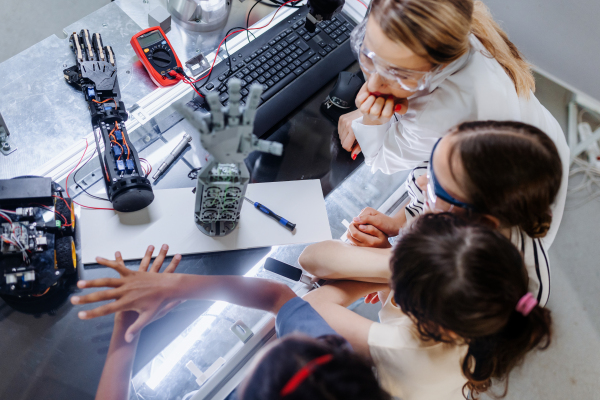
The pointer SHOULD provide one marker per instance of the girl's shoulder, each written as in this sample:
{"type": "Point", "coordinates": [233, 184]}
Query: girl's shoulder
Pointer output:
{"type": "Point", "coordinates": [537, 263]}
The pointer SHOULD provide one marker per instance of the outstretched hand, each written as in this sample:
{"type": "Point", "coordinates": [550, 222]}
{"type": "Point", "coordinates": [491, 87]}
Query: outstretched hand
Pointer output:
{"type": "Point", "coordinates": [144, 291]}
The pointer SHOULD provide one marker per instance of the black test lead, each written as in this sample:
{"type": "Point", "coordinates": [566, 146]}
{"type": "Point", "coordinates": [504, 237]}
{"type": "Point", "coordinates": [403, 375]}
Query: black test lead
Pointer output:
{"type": "Point", "coordinates": [271, 214]}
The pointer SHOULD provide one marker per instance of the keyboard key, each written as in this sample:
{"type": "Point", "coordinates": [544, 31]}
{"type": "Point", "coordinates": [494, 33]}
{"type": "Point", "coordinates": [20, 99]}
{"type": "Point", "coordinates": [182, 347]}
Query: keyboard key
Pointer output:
{"type": "Point", "coordinates": [257, 63]}
{"type": "Point", "coordinates": [273, 42]}
{"type": "Point", "coordinates": [278, 67]}
{"type": "Point", "coordinates": [240, 65]}
{"type": "Point", "coordinates": [322, 44]}
{"type": "Point", "coordinates": [306, 65]}
{"type": "Point", "coordinates": [302, 32]}
{"type": "Point", "coordinates": [251, 67]}
{"type": "Point", "coordinates": [269, 83]}
{"type": "Point", "coordinates": [210, 86]}
{"type": "Point", "coordinates": [276, 59]}
{"type": "Point", "coordinates": [317, 30]}
{"type": "Point", "coordinates": [281, 74]}
{"type": "Point", "coordinates": [299, 52]}
{"type": "Point", "coordinates": [302, 45]}
{"type": "Point", "coordinates": [240, 75]}
{"type": "Point", "coordinates": [253, 55]}
{"type": "Point", "coordinates": [248, 79]}
{"type": "Point", "coordinates": [277, 87]}
{"type": "Point", "coordinates": [283, 63]}
{"type": "Point", "coordinates": [289, 31]}
{"type": "Point", "coordinates": [275, 78]}
{"type": "Point", "coordinates": [271, 63]}
{"type": "Point", "coordinates": [265, 47]}
{"type": "Point", "coordinates": [298, 71]}
{"type": "Point", "coordinates": [343, 28]}
{"type": "Point", "coordinates": [223, 98]}
{"type": "Point", "coordinates": [292, 47]}
{"type": "Point", "coordinates": [259, 51]}
{"type": "Point", "coordinates": [328, 49]}
{"type": "Point", "coordinates": [306, 37]}
{"type": "Point", "coordinates": [279, 47]}
{"type": "Point", "coordinates": [283, 34]}
{"type": "Point", "coordinates": [272, 71]}
{"type": "Point", "coordinates": [286, 70]}
{"type": "Point", "coordinates": [338, 32]}
{"type": "Point", "coordinates": [289, 59]}
{"type": "Point", "coordinates": [277, 38]}
{"type": "Point", "coordinates": [262, 59]}
{"type": "Point", "coordinates": [281, 55]}
{"type": "Point", "coordinates": [332, 45]}
{"type": "Point", "coordinates": [245, 71]}
{"type": "Point", "coordinates": [304, 57]}
{"type": "Point", "coordinates": [255, 75]}
{"type": "Point", "coordinates": [261, 79]}
{"type": "Point", "coordinates": [341, 39]}
{"type": "Point", "coordinates": [327, 30]}
{"type": "Point", "coordinates": [234, 69]}
{"type": "Point", "coordinates": [244, 92]}
{"type": "Point", "coordinates": [273, 52]}
{"type": "Point", "coordinates": [315, 59]}
{"type": "Point", "coordinates": [297, 25]}
{"type": "Point", "coordinates": [260, 70]}
{"type": "Point", "coordinates": [287, 51]}
{"type": "Point", "coordinates": [268, 55]}
{"type": "Point", "coordinates": [292, 38]}
{"type": "Point", "coordinates": [222, 77]}
{"type": "Point", "coordinates": [294, 55]}
{"type": "Point", "coordinates": [267, 75]}
{"type": "Point", "coordinates": [322, 53]}
{"type": "Point", "coordinates": [247, 59]}
{"type": "Point", "coordinates": [333, 35]}
{"type": "Point", "coordinates": [297, 63]}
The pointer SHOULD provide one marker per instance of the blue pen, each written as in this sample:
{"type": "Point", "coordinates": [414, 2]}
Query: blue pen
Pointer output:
{"type": "Point", "coordinates": [271, 214]}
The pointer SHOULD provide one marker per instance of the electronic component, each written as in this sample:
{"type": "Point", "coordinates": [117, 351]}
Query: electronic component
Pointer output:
{"type": "Point", "coordinates": [38, 258]}
{"type": "Point", "coordinates": [95, 74]}
{"type": "Point", "coordinates": [156, 54]}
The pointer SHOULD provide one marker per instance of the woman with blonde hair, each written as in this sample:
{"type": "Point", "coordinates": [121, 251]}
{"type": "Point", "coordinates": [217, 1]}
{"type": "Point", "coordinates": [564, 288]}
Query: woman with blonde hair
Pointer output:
{"type": "Point", "coordinates": [431, 65]}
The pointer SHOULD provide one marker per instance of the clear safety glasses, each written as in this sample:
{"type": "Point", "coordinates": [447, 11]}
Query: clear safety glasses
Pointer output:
{"type": "Point", "coordinates": [408, 79]}
{"type": "Point", "coordinates": [435, 191]}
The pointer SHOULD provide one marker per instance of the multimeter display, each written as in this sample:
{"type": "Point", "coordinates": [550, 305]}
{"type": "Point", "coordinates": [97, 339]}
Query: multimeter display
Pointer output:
{"type": "Point", "coordinates": [156, 54]}
{"type": "Point", "coordinates": [150, 38]}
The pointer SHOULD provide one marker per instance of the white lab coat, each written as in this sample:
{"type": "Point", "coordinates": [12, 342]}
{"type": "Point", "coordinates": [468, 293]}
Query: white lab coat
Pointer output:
{"type": "Point", "coordinates": [474, 87]}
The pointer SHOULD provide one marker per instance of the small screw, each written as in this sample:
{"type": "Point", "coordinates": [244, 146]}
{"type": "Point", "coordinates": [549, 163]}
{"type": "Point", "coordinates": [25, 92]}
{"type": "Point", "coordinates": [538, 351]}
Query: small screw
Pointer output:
{"type": "Point", "coordinates": [57, 273]}
{"type": "Point", "coordinates": [5, 146]}
{"type": "Point", "coordinates": [65, 65]}
{"type": "Point", "coordinates": [128, 72]}
{"type": "Point", "coordinates": [105, 24]}
{"type": "Point", "coordinates": [197, 50]}
{"type": "Point", "coordinates": [12, 287]}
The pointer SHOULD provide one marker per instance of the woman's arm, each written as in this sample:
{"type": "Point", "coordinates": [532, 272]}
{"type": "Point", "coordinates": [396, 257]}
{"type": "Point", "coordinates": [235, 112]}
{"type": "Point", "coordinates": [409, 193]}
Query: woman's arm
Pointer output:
{"type": "Point", "coordinates": [333, 259]}
{"type": "Point", "coordinates": [331, 300]}
{"type": "Point", "coordinates": [116, 375]}
{"type": "Point", "coordinates": [149, 293]}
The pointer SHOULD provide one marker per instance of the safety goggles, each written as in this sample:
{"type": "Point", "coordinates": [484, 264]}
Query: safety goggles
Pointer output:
{"type": "Point", "coordinates": [435, 191]}
{"type": "Point", "coordinates": [408, 79]}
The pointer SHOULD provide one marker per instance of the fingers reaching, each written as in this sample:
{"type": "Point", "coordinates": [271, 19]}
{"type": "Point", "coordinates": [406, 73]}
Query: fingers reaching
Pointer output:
{"type": "Point", "coordinates": [116, 265]}
{"type": "Point", "coordinates": [145, 263]}
{"type": "Point", "coordinates": [158, 261]}
{"type": "Point", "coordinates": [139, 324]}
{"type": "Point", "coordinates": [101, 295]}
{"type": "Point", "coordinates": [173, 264]}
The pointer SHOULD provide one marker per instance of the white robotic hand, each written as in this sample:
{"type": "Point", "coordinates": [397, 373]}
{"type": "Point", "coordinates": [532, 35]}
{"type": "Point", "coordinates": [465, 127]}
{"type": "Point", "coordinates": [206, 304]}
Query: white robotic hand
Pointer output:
{"type": "Point", "coordinates": [226, 133]}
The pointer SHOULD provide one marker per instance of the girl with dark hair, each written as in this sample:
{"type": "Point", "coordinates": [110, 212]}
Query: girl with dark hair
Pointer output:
{"type": "Point", "coordinates": [504, 174]}
{"type": "Point", "coordinates": [311, 361]}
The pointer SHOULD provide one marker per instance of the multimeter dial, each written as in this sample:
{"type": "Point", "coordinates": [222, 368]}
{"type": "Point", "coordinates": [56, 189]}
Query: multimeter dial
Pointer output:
{"type": "Point", "coordinates": [156, 54]}
{"type": "Point", "coordinates": [161, 57]}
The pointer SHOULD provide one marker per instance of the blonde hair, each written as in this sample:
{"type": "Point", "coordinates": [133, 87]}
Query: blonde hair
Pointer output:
{"type": "Point", "coordinates": [438, 30]}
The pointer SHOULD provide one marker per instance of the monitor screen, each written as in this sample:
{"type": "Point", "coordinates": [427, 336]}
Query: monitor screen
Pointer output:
{"type": "Point", "coordinates": [150, 39]}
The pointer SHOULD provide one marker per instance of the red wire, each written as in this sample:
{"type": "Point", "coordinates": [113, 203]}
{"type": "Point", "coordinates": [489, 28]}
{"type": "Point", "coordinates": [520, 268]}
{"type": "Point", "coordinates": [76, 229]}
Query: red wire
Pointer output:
{"type": "Point", "coordinates": [67, 183]}
{"type": "Point", "coordinates": [8, 219]}
{"type": "Point", "coordinates": [233, 33]}
{"type": "Point", "coordinates": [363, 4]}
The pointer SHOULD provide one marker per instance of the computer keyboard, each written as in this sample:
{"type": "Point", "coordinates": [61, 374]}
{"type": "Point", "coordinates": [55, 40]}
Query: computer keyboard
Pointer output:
{"type": "Point", "coordinates": [289, 62]}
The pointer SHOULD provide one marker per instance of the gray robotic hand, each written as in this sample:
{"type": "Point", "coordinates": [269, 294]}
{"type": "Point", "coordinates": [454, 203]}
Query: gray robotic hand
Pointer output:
{"type": "Point", "coordinates": [226, 133]}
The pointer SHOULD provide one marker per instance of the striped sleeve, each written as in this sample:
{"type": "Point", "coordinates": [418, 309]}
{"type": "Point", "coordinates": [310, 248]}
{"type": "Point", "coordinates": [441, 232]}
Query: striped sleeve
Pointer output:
{"type": "Point", "coordinates": [537, 264]}
{"type": "Point", "coordinates": [417, 197]}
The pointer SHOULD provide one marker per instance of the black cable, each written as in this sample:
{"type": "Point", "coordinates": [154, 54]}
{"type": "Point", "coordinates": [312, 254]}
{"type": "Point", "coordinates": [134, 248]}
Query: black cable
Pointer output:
{"type": "Point", "coordinates": [80, 186]}
{"type": "Point", "coordinates": [270, 3]}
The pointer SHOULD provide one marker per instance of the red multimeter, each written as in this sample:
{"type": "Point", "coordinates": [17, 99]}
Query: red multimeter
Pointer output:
{"type": "Point", "coordinates": [156, 53]}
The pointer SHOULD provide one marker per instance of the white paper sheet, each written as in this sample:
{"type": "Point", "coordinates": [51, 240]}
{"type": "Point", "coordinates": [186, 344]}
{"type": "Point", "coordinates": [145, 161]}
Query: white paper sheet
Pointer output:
{"type": "Point", "coordinates": [170, 219]}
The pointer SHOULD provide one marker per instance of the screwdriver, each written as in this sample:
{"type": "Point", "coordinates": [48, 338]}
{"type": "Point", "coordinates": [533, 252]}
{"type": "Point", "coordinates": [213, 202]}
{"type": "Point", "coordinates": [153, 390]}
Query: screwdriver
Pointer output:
{"type": "Point", "coordinates": [271, 214]}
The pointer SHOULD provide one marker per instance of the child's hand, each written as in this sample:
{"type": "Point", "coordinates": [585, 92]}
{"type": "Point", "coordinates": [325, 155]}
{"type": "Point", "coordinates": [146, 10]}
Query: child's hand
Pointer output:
{"type": "Point", "coordinates": [372, 229]}
{"type": "Point", "coordinates": [378, 110]}
{"type": "Point", "coordinates": [147, 293]}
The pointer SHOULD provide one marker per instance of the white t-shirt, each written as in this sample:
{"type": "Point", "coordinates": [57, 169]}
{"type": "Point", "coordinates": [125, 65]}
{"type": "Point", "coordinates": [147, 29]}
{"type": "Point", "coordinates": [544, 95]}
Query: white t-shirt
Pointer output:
{"type": "Point", "coordinates": [535, 255]}
{"type": "Point", "coordinates": [409, 368]}
{"type": "Point", "coordinates": [473, 88]}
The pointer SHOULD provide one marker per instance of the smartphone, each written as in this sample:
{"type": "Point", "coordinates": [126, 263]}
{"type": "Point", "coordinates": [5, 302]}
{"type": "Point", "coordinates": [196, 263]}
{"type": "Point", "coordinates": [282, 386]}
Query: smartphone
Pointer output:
{"type": "Point", "coordinates": [283, 269]}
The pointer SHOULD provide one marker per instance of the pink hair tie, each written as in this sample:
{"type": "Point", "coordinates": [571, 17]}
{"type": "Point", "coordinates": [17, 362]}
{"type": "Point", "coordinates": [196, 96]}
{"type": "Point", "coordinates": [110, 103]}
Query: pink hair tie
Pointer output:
{"type": "Point", "coordinates": [526, 304]}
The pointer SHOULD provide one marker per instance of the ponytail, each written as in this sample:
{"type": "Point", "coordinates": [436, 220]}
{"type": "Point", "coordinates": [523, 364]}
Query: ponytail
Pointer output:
{"type": "Point", "coordinates": [438, 30]}
{"type": "Point", "coordinates": [495, 355]}
{"type": "Point", "coordinates": [496, 42]}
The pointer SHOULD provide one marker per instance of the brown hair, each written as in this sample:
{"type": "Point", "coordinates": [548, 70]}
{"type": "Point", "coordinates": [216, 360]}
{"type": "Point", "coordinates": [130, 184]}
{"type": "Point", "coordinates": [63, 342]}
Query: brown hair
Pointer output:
{"type": "Point", "coordinates": [438, 30]}
{"type": "Point", "coordinates": [346, 376]}
{"type": "Point", "coordinates": [453, 276]}
{"type": "Point", "coordinates": [513, 172]}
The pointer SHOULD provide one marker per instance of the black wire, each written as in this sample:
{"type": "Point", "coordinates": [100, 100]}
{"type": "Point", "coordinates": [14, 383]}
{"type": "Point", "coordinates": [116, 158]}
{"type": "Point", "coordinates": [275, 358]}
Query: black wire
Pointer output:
{"type": "Point", "coordinates": [268, 3]}
{"type": "Point", "coordinates": [80, 186]}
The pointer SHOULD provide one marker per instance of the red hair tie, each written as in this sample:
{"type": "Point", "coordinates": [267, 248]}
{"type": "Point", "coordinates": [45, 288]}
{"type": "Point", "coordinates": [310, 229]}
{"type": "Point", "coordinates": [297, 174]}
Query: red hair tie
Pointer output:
{"type": "Point", "coordinates": [304, 373]}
